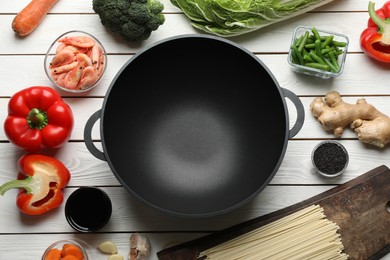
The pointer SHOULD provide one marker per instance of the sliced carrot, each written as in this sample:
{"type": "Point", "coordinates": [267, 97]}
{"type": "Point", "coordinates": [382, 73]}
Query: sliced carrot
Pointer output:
{"type": "Point", "coordinates": [72, 250]}
{"type": "Point", "coordinates": [69, 257]}
{"type": "Point", "coordinates": [53, 254]}
{"type": "Point", "coordinates": [31, 16]}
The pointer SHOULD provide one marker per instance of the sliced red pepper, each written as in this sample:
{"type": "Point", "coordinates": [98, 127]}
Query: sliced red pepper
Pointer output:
{"type": "Point", "coordinates": [375, 39]}
{"type": "Point", "coordinates": [38, 118]}
{"type": "Point", "coordinates": [41, 180]}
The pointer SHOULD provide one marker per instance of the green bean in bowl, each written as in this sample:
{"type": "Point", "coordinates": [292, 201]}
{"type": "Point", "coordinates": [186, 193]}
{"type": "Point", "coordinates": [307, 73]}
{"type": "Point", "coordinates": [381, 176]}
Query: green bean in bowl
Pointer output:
{"type": "Point", "coordinates": [318, 53]}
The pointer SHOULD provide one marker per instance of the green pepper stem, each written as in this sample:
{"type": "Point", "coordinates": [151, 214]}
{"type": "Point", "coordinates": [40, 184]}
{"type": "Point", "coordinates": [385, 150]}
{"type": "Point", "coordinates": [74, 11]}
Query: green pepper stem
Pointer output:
{"type": "Point", "coordinates": [25, 184]}
{"type": "Point", "coordinates": [383, 25]}
{"type": "Point", "coordinates": [37, 118]}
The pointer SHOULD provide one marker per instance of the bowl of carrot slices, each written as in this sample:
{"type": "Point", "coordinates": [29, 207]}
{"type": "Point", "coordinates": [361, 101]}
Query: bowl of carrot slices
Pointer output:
{"type": "Point", "coordinates": [65, 249]}
{"type": "Point", "coordinates": [317, 52]}
{"type": "Point", "coordinates": [75, 61]}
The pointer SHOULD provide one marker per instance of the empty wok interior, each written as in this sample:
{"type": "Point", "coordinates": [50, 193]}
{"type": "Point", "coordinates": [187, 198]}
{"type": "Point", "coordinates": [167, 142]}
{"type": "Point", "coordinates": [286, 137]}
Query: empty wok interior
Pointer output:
{"type": "Point", "coordinates": [194, 126]}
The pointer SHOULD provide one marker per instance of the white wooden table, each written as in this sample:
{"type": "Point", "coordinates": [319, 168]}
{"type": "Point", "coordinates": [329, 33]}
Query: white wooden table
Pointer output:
{"type": "Point", "coordinates": [21, 65]}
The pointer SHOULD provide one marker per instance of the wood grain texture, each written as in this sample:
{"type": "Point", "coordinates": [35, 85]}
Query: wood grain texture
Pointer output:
{"type": "Point", "coordinates": [358, 207]}
{"type": "Point", "coordinates": [21, 65]}
{"type": "Point", "coordinates": [86, 6]}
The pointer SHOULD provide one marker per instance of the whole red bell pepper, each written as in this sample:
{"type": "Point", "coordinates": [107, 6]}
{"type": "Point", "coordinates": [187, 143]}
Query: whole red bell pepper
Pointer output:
{"type": "Point", "coordinates": [38, 118]}
{"type": "Point", "coordinates": [375, 39]}
{"type": "Point", "coordinates": [41, 179]}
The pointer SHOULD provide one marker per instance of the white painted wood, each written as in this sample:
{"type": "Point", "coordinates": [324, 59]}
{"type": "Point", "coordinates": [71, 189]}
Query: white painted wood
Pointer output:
{"type": "Point", "coordinates": [361, 76]}
{"type": "Point", "coordinates": [21, 65]}
{"type": "Point", "coordinates": [84, 108]}
{"type": "Point", "coordinates": [35, 244]}
{"type": "Point", "coordinates": [130, 214]}
{"type": "Point", "coordinates": [85, 6]}
{"type": "Point", "coordinates": [274, 38]}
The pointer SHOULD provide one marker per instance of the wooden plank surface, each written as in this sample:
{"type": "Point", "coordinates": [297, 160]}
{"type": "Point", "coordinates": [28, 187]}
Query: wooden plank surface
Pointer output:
{"type": "Point", "coordinates": [359, 207]}
{"type": "Point", "coordinates": [21, 65]}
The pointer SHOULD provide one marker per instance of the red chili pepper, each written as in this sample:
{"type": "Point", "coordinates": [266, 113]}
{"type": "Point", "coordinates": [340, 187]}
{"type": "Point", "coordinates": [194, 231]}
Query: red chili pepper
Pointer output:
{"type": "Point", "coordinates": [375, 39]}
{"type": "Point", "coordinates": [41, 179]}
{"type": "Point", "coordinates": [38, 118]}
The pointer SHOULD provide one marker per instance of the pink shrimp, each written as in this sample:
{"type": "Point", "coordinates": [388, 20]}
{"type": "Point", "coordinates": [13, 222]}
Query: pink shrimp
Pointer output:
{"type": "Point", "coordinates": [73, 77]}
{"type": "Point", "coordinates": [64, 68]}
{"type": "Point", "coordinates": [63, 57]}
{"type": "Point", "coordinates": [59, 79]}
{"type": "Point", "coordinates": [88, 78]}
{"type": "Point", "coordinates": [78, 41]}
{"type": "Point", "coordinates": [60, 47]}
{"type": "Point", "coordinates": [101, 66]}
{"type": "Point", "coordinates": [98, 59]}
{"type": "Point", "coordinates": [83, 60]}
{"type": "Point", "coordinates": [96, 54]}
{"type": "Point", "coordinates": [72, 48]}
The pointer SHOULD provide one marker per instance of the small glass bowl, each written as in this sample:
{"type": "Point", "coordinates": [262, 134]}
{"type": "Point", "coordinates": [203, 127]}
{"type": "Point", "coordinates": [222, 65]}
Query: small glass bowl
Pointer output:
{"type": "Point", "coordinates": [59, 244]}
{"type": "Point", "coordinates": [330, 158]}
{"type": "Point", "coordinates": [298, 32]}
{"type": "Point", "coordinates": [66, 72]}
{"type": "Point", "coordinates": [88, 209]}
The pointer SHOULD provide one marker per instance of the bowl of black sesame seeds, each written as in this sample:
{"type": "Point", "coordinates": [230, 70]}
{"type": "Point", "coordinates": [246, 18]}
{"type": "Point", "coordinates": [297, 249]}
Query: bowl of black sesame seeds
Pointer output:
{"type": "Point", "coordinates": [330, 158]}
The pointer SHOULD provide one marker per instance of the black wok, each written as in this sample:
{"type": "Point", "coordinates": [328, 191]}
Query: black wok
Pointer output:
{"type": "Point", "coordinates": [194, 125]}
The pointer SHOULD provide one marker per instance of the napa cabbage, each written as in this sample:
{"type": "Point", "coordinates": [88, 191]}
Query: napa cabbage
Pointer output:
{"type": "Point", "coordinates": [228, 18]}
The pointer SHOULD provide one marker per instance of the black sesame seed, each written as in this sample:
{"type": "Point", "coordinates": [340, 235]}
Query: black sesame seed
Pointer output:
{"type": "Point", "coordinates": [330, 158]}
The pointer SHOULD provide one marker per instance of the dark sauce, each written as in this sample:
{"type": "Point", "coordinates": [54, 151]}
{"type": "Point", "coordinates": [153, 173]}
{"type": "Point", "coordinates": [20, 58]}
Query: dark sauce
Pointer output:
{"type": "Point", "coordinates": [88, 209]}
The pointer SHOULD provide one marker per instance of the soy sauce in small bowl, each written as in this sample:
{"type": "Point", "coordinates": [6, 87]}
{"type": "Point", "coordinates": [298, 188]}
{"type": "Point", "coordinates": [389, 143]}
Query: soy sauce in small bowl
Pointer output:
{"type": "Point", "coordinates": [88, 209]}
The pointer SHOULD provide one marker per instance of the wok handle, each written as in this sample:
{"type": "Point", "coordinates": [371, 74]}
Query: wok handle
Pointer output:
{"type": "Point", "coordinates": [300, 112]}
{"type": "Point", "coordinates": [88, 136]}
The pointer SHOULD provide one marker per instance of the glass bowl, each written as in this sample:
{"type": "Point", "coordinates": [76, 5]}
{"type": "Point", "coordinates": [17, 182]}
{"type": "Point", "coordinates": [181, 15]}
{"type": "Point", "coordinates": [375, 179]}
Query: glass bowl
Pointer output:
{"type": "Point", "coordinates": [321, 73]}
{"type": "Point", "coordinates": [88, 209]}
{"type": "Point", "coordinates": [60, 244]}
{"type": "Point", "coordinates": [75, 61]}
{"type": "Point", "coordinates": [330, 158]}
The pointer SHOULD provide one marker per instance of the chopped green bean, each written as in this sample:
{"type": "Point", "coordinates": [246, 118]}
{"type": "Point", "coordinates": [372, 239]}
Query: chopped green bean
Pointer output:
{"type": "Point", "coordinates": [310, 46]}
{"type": "Point", "coordinates": [298, 55]}
{"type": "Point", "coordinates": [298, 41]}
{"type": "Point", "coordinates": [333, 59]}
{"type": "Point", "coordinates": [303, 42]}
{"type": "Point", "coordinates": [318, 48]}
{"type": "Point", "coordinates": [331, 66]}
{"type": "Point", "coordinates": [294, 57]}
{"type": "Point", "coordinates": [339, 44]}
{"type": "Point", "coordinates": [315, 33]}
{"type": "Point", "coordinates": [323, 38]}
{"type": "Point", "coordinates": [339, 52]}
{"type": "Point", "coordinates": [307, 58]}
{"type": "Point", "coordinates": [328, 40]}
{"type": "Point", "coordinates": [317, 65]}
{"type": "Point", "coordinates": [317, 51]}
{"type": "Point", "coordinates": [315, 57]}
{"type": "Point", "coordinates": [326, 50]}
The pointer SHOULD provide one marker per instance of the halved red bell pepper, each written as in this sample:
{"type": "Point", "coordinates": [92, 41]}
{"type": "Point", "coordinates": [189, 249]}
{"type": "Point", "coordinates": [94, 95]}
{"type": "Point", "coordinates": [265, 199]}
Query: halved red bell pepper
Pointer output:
{"type": "Point", "coordinates": [41, 179]}
{"type": "Point", "coordinates": [38, 118]}
{"type": "Point", "coordinates": [375, 39]}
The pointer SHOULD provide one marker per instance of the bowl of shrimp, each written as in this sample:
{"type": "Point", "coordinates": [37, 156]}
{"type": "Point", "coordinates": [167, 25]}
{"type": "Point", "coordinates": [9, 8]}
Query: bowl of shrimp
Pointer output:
{"type": "Point", "coordinates": [75, 61]}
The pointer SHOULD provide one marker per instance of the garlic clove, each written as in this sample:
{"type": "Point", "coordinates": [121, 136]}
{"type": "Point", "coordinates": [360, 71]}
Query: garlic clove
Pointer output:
{"type": "Point", "coordinates": [139, 246]}
{"type": "Point", "coordinates": [108, 247]}
{"type": "Point", "coordinates": [115, 257]}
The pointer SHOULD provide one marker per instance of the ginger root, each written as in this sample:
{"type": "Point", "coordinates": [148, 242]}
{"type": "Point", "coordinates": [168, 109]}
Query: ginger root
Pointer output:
{"type": "Point", "coordinates": [370, 125]}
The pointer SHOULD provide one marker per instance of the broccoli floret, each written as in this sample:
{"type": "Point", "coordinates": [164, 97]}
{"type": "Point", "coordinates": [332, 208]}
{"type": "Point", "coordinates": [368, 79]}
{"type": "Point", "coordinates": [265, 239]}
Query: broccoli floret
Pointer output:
{"type": "Point", "coordinates": [133, 20]}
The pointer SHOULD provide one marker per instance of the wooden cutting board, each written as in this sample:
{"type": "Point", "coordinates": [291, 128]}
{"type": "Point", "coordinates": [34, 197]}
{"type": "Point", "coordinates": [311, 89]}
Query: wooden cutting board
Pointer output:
{"type": "Point", "coordinates": [360, 207]}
